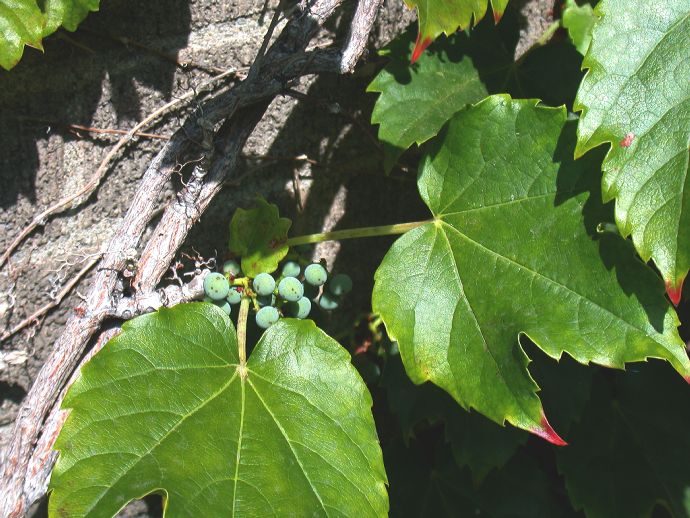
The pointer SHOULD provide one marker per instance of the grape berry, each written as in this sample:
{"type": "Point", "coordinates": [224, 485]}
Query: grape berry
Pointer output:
{"type": "Point", "coordinates": [296, 289]}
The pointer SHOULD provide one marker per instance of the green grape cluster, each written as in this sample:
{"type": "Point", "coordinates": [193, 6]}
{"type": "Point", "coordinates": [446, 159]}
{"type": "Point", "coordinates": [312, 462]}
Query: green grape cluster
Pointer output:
{"type": "Point", "coordinates": [290, 294]}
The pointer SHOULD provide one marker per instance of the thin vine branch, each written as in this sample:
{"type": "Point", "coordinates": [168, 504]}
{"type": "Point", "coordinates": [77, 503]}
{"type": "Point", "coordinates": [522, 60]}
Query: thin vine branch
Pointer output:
{"type": "Point", "coordinates": [43, 310]}
{"type": "Point", "coordinates": [286, 59]}
{"type": "Point", "coordinates": [79, 197]}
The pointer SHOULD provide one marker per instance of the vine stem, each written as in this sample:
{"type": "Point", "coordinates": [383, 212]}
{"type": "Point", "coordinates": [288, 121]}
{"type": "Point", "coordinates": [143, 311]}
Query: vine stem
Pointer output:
{"type": "Point", "coordinates": [337, 235]}
{"type": "Point", "coordinates": [242, 334]}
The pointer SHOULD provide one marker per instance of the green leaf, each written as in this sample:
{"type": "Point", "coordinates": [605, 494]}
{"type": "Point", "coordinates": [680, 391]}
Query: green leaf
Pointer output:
{"type": "Point", "coordinates": [67, 13]}
{"type": "Point", "coordinates": [578, 20]}
{"type": "Point", "coordinates": [636, 96]}
{"type": "Point", "coordinates": [416, 100]}
{"type": "Point", "coordinates": [632, 449]}
{"type": "Point", "coordinates": [508, 253]}
{"type": "Point", "coordinates": [447, 16]}
{"type": "Point", "coordinates": [259, 236]}
{"type": "Point", "coordinates": [165, 408]}
{"type": "Point", "coordinates": [23, 23]}
{"type": "Point", "coordinates": [429, 485]}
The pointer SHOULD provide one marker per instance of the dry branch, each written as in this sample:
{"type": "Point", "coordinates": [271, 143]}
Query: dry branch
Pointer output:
{"type": "Point", "coordinates": [236, 112]}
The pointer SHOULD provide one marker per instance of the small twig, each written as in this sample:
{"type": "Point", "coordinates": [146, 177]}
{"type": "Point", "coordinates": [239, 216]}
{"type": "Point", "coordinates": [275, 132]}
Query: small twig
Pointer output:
{"type": "Point", "coordinates": [39, 313]}
{"type": "Point", "coordinates": [75, 128]}
{"type": "Point", "coordinates": [93, 183]}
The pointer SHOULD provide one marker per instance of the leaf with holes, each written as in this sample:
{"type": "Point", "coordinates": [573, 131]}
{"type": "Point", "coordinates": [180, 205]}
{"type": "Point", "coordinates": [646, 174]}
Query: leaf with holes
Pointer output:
{"type": "Point", "coordinates": [512, 249]}
{"type": "Point", "coordinates": [166, 408]}
{"type": "Point", "coordinates": [438, 17]}
{"type": "Point", "coordinates": [636, 96]}
{"type": "Point", "coordinates": [23, 23]}
{"type": "Point", "coordinates": [259, 236]}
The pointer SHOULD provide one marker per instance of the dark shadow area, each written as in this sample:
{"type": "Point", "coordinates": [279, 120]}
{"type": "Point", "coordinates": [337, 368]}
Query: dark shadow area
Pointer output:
{"type": "Point", "coordinates": [11, 395]}
{"type": "Point", "coordinates": [65, 84]}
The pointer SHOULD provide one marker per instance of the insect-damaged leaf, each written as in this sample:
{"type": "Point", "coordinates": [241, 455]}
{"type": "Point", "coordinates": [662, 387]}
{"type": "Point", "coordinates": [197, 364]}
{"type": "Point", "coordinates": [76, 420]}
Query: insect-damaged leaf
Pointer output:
{"type": "Point", "coordinates": [164, 408]}
{"type": "Point", "coordinates": [510, 251]}
{"type": "Point", "coordinates": [636, 96]}
{"type": "Point", "coordinates": [259, 236]}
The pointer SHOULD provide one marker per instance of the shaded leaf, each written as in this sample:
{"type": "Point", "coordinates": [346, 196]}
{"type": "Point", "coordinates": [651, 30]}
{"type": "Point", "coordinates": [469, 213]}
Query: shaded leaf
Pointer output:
{"type": "Point", "coordinates": [416, 100]}
{"type": "Point", "coordinates": [632, 449]}
{"type": "Point", "coordinates": [636, 96]}
{"type": "Point", "coordinates": [164, 407]}
{"type": "Point", "coordinates": [508, 253]}
{"type": "Point", "coordinates": [259, 236]}
{"type": "Point", "coordinates": [475, 441]}
{"type": "Point", "coordinates": [424, 482]}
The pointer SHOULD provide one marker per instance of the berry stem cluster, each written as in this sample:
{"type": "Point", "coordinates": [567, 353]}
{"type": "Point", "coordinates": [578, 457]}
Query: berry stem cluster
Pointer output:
{"type": "Point", "coordinates": [242, 331]}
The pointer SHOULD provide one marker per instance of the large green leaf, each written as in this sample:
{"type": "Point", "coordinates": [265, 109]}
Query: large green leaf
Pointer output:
{"type": "Point", "coordinates": [165, 407]}
{"type": "Point", "coordinates": [23, 23]}
{"type": "Point", "coordinates": [259, 236]}
{"type": "Point", "coordinates": [632, 449]}
{"type": "Point", "coordinates": [636, 96]}
{"type": "Point", "coordinates": [447, 16]}
{"type": "Point", "coordinates": [508, 253]}
{"type": "Point", "coordinates": [415, 101]}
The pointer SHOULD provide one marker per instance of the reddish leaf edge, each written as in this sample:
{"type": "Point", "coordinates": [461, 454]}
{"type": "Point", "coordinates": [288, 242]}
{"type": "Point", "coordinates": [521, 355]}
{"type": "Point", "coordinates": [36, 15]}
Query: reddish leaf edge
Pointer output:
{"type": "Point", "coordinates": [419, 47]}
{"type": "Point", "coordinates": [547, 432]}
{"type": "Point", "coordinates": [421, 44]}
{"type": "Point", "coordinates": [675, 292]}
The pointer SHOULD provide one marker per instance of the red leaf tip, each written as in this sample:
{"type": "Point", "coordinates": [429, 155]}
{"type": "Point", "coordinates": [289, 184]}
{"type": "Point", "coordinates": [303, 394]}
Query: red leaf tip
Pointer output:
{"type": "Point", "coordinates": [547, 432]}
{"type": "Point", "coordinates": [674, 292]}
{"type": "Point", "coordinates": [497, 17]}
{"type": "Point", "coordinates": [419, 47]}
{"type": "Point", "coordinates": [687, 379]}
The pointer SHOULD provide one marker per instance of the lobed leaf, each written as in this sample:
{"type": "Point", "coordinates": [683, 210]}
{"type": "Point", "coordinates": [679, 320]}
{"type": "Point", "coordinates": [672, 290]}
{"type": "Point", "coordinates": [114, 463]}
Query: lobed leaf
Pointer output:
{"type": "Point", "coordinates": [636, 96]}
{"type": "Point", "coordinates": [507, 254]}
{"type": "Point", "coordinates": [165, 408]}
{"type": "Point", "coordinates": [259, 236]}
{"type": "Point", "coordinates": [415, 101]}
{"type": "Point", "coordinates": [438, 17]}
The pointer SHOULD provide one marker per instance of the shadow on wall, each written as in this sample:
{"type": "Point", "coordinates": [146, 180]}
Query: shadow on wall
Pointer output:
{"type": "Point", "coordinates": [65, 84]}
